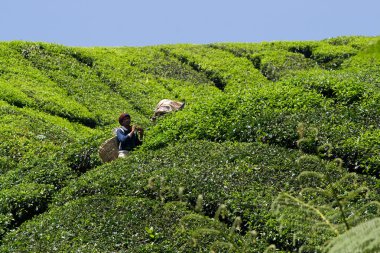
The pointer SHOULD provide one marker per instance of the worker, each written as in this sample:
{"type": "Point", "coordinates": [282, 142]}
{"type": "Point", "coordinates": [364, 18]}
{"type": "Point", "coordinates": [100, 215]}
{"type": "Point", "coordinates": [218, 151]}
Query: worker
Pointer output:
{"type": "Point", "coordinates": [128, 136]}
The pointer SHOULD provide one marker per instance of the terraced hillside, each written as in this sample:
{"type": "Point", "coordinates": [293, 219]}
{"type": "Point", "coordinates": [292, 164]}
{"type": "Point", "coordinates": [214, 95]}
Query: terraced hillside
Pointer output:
{"type": "Point", "coordinates": [277, 148]}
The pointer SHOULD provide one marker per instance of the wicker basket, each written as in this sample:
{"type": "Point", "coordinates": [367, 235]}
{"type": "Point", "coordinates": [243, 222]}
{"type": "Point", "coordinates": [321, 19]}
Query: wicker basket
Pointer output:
{"type": "Point", "coordinates": [109, 150]}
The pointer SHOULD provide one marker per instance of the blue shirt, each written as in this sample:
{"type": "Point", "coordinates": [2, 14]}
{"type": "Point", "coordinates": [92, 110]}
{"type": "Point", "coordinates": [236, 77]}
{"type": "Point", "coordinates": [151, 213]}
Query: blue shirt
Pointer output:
{"type": "Point", "coordinates": [127, 142]}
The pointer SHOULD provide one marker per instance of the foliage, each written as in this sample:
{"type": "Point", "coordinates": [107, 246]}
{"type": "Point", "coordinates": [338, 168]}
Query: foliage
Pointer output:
{"type": "Point", "coordinates": [274, 150]}
{"type": "Point", "coordinates": [361, 238]}
{"type": "Point", "coordinates": [227, 72]}
{"type": "Point", "coordinates": [24, 85]}
{"type": "Point", "coordinates": [108, 223]}
{"type": "Point", "coordinates": [22, 202]}
{"type": "Point", "coordinates": [324, 208]}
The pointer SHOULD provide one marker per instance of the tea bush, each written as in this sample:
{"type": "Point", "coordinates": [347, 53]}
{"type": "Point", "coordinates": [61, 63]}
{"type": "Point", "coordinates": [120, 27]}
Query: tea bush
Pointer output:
{"type": "Point", "coordinates": [143, 79]}
{"type": "Point", "coordinates": [137, 90]}
{"type": "Point", "coordinates": [103, 223]}
{"type": "Point", "coordinates": [341, 86]}
{"type": "Point", "coordinates": [24, 200]}
{"type": "Point", "coordinates": [78, 80]}
{"type": "Point", "coordinates": [14, 95]}
{"type": "Point", "coordinates": [233, 174]}
{"type": "Point", "coordinates": [157, 61]}
{"type": "Point", "coordinates": [331, 53]}
{"type": "Point", "coordinates": [39, 135]}
{"type": "Point", "coordinates": [245, 177]}
{"type": "Point", "coordinates": [35, 160]}
{"type": "Point", "coordinates": [267, 118]}
{"type": "Point", "coordinates": [108, 223]}
{"type": "Point", "coordinates": [22, 82]}
{"type": "Point", "coordinates": [274, 64]}
{"type": "Point", "coordinates": [273, 59]}
{"type": "Point", "coordinates": [229, 73]}
{"type": "Point", "coordinates": [332, 56]}
{"type": "Point", "coordinates": [246, 49]}
{"type": "Point", "coordinates": [265, 115]}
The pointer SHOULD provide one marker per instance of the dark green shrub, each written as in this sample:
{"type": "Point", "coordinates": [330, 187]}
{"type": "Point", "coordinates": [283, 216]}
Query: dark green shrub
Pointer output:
{"type": "Point", "coordinates": [25, 200]}
{"type": "Point", "coordinates": [271, 115]}
{"type": "Point", "coordinates": [275, 64]}
{"type": "Point", "coordinates": [78, 80]}
{"type": "Point", "coordinates": [233, 173]}
{"type": "Point", "coordinates": [37, 147]}
{"type": "Point", "coordinates": [229, 73]}
{"type": "Point", "coordinates": [23, 82]}
{"type": "Point", "coordinates": [5, 223]}
{"type": "Point", "coordinates": [102, 224]}
{"type": "Point", "coordinates": [342, 86]}
{"type": "Point", "coordinates": [107, 223]}
{"type": "Point", "coordinates": [332, 56]}
{"type": "Point", "coordinates": [82, 155]}
{"type": "Point", "coordinates": [362, 151]}
{"type": "Point", "coordinates": [14, 96]}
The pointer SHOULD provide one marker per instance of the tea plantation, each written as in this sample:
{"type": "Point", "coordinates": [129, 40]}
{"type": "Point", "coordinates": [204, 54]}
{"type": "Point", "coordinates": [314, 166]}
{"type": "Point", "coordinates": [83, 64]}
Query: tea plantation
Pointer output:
{"type": "Point", "coordinates": [276, 150]}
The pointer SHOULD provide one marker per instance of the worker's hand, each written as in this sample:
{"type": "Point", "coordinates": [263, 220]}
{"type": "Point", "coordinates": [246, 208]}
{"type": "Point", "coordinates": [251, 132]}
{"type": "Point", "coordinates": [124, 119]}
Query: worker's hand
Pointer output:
{"type": "Point", "coordinates": [133, 128]}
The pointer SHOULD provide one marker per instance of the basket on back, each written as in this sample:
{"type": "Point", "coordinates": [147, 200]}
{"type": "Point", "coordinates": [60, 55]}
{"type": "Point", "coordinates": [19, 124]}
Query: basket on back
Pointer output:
{"type": "Point", "coordinates": [109, 150]}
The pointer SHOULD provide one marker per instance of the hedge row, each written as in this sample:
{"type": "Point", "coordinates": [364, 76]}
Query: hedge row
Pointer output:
{"type": "Point", "coordinates": [22, 202]}
{"type": "Point", "coordinates": [245, 177]}
{"type": "Point", "coordinates": [351, 135]}
{"type": "Point", "coordinates": [229, 73]}
{"type": "Point", "coordinates": [108, 223]}
{"type": "Point", "coordinates": [144, 76]}
{"type": "Point", "coordinates": [328, 53]}
{"type": "Point", "coordinates": [39, 154]}
{"type": "Point", "coordinates": [23, 85]}
{"type": "Point", "coordinates": [29, 138]}
{"type": "Point", "coordinates": [341, 104]}
{"type": "Point", "coordinates": [78, 80]}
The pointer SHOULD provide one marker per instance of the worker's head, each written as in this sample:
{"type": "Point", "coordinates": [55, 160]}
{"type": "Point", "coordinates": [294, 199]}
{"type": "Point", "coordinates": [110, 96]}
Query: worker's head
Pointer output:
{"type": "Point", "coordinates": [124, 119]}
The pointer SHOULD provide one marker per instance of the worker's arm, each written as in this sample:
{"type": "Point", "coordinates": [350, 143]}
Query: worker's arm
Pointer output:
{"type": "Point", "coordinates": [123, 137]}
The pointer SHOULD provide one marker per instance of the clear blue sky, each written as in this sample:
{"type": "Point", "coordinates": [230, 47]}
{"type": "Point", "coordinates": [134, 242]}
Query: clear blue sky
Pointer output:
{"type": "Point", "coordinates": [155, 22]}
